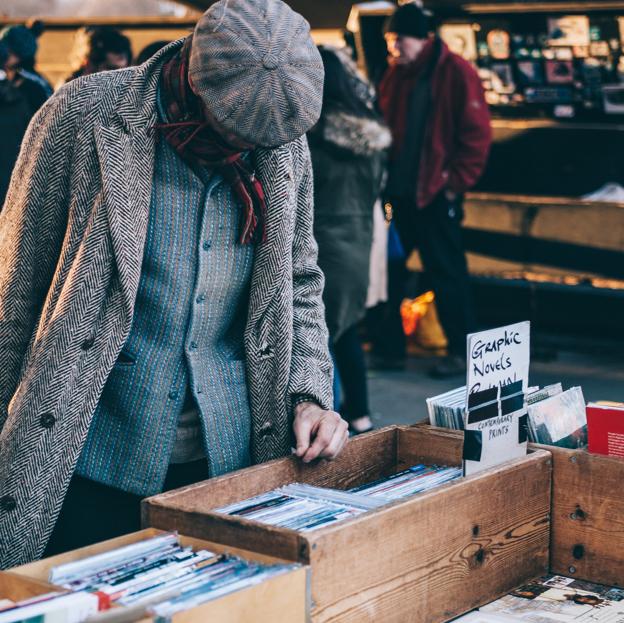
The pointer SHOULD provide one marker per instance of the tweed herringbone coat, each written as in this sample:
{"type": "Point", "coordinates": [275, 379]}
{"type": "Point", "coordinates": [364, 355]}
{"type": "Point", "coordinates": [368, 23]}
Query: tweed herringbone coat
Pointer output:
{"type": "Point", "coordinates": [72, 234]}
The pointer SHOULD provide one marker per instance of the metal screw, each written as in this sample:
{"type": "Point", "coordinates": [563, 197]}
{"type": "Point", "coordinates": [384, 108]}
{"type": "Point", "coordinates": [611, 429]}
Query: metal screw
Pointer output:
{"type": "Point", "coordinates": [573, 459]}
{"type": "Point", "coordinates": [572, 569]}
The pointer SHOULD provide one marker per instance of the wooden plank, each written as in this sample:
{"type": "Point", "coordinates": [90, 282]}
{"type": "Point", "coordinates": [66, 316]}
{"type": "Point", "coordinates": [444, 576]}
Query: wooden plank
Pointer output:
{"type": "Point", "coordinates": [282, 599]}
{"type": "Point", "coordinates": [438, 555]}
{"type": "Point", "coordinates": [16, 588]}
{"type": "Point", "coordinates": [227, 530]}
{"type": "Point", "coordinates": [429, 445]}
{"type": "Point", "coordinates": [588, 517]}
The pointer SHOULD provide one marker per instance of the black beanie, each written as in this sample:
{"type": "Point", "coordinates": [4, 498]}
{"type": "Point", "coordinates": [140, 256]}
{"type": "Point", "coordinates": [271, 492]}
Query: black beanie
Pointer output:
{"type": "Point", "coordinates": [410, 20]}
{"type": "Point", "coordinates": [20, 40]}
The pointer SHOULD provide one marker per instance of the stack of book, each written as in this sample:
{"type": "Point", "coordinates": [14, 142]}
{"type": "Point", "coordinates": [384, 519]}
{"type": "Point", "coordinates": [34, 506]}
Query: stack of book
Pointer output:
{"type": "Point", "coordinates": [157, 578]}
{"type": "Point", "coordinates": [304, 508]}
{"type": "Point", "coordinates": [554, 599]}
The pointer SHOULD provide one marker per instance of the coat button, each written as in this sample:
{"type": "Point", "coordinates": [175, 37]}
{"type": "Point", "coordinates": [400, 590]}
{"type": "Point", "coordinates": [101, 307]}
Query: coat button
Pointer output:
{"type": "Point", "coordinates": [266, 350]}
{"type": "Point", "coordinates": [88, 343]}
{"type": "Point", "coordinates": [47, 420]}
{"type": "Point", "coordinates": [8, 503]}
{"type": "Point", "coordinates": [266, 429]}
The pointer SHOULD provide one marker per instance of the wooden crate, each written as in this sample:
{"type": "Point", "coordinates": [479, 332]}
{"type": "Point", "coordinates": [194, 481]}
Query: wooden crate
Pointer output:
{"type": "Point", "coordinates": [587, 516]}
{"type": "Point", "coordinates": [427, 558]}
{"type": "Point", "coordinates": [282, 599]}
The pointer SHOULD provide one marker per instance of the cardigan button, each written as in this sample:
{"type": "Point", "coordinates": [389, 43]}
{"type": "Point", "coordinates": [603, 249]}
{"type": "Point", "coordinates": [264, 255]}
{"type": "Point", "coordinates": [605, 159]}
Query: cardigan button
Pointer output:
{"type": "Point", "coordinates": [8, 503]}
{"type": "Point", "coordinates": [47, 420]}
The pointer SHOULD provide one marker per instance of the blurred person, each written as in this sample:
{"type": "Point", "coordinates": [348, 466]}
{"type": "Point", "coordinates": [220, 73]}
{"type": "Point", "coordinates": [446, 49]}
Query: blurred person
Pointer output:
{"type": "Point", "coordinates": [434, 102]}
{"type": "Point", "coordinates": [161, 315]}
{"type": "Point", "coordinates": [21, 45]}
{"type": "Point", "coordinates": [29, 65]}
{"type": "Point", "coordinates": [15, 114]}
{"type": "Point", "coordinates": [348, 148]}
{"type": "Point", "coordinates": [149, 50]}
{"type": "Point", "coordinates": [100, 48]}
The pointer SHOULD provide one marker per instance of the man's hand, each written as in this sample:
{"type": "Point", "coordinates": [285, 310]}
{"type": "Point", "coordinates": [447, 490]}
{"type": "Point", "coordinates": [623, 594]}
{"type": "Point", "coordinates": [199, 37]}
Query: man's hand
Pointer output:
{"type": "Point", "coordinates": [319, 433]}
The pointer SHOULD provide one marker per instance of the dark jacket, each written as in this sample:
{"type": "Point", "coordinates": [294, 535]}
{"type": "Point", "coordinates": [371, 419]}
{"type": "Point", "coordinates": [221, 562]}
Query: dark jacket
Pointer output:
{"type": "Point", "coordinates": [15, 114]}
{"type": "Point", "coordinates": [348, 159]}
{"type": "Point", "coordinates": [458, 134]}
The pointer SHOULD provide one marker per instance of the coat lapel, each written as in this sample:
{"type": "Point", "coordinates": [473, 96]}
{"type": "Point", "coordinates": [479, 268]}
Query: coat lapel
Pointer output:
{"type": "Point", "coordinates": [126, 146]}
{"type": "Point", "coordinates": [274, 168]}
{"type": "Point", "coordinates": [126, 166]}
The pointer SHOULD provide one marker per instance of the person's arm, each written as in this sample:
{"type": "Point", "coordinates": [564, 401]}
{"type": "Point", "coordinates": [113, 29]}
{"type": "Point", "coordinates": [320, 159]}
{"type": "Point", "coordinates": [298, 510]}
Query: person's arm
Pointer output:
{"type": "Point", "coordinates": [32, 226]}
{"type": "Point", "coordinates": [473, 133]}
{"type": "Point", "coordinates": [319, 431]}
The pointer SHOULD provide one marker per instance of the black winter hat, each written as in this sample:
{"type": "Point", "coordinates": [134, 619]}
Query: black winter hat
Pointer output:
{"type": "Point", "coordinates": [410, 20]}
{"type": "Point", "coordinates": [19, 40]}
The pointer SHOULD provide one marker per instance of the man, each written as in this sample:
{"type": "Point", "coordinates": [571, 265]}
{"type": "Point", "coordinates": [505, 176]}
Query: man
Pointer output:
{"type": "Point", "coordinates": [434, 103]}
{"type": "Point", "coordinates": [100, 48]}
{"type": "Point", "coordinates": [161, 317]}
{"type": "Point", "coordinates": [21, 43]}
{"type": "Point", "coordinates": [15, 114]}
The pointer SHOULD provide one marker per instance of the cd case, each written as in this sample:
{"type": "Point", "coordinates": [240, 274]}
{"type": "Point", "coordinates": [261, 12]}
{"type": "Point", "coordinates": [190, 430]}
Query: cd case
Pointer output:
{"type": "Point", "coordinates": [161, 576]}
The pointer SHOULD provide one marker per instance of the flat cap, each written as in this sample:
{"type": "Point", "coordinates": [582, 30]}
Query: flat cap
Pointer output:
{"type": "Point", "coordinates": [257, 70]}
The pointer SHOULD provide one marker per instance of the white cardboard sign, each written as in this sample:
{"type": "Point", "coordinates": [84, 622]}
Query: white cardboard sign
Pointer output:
{"type": "Point", "coordinates": [499, 357]}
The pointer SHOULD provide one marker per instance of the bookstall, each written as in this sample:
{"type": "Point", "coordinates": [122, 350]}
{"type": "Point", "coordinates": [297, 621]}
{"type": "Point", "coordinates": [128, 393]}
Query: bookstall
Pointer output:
{"type": "Point", "coordinates": [429, 557]}
{"type": "Point", "coordinates": [282, 598]}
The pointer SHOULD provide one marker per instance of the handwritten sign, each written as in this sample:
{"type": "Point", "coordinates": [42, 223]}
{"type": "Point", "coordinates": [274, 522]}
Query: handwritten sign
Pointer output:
{"type": "Point", "coordinates": [499, 357]}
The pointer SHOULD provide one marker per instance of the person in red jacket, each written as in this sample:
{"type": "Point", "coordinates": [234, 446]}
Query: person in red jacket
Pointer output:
{"type": "Point", "coordinates": [433, 101]}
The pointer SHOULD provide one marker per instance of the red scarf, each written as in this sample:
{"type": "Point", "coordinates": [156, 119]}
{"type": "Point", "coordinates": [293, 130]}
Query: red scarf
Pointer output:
{"type": "Point", "coordinates": [395, 90]}
{"type": "Point", "coordinates": [194, 139]}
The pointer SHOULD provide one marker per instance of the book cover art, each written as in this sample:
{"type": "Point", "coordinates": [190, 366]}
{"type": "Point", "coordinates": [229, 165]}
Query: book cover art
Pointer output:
{"type": "Point", "coordinates": [605, 428]}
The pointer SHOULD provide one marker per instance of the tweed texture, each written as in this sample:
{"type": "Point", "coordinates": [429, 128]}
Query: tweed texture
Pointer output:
{"type": "Point", "coordinates": [257, 70]}
{"type": "Point", "coordinates": [72, 234]}
{"type": "Point", "coordinates": [187, 330]}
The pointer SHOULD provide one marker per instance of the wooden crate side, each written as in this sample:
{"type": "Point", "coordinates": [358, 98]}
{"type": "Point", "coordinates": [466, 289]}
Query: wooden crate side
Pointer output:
{"type": "Point", "coordinates": [588, 517]}
{"type": "Point", "coordinates": [233, 532]}
{"type": "Point", "coordinates": [365, 458]}
{"type": "Point", "coordinates": [425, 444]}
{"type": "Point", "coordinates": [16, 587]}
{"type": "Point", "coordinates": [282, 599]}
{"type": "Point", "coordinates": [439, 555]}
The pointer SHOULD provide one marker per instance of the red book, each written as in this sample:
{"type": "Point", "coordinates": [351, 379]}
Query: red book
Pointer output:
{"type": "Point", "coordinates": [605, 428]}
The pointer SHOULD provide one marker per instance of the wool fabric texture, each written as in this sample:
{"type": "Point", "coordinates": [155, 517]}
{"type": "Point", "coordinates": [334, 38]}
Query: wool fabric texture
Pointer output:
{"type": "Point", "coordinates": [193, 138]}
{"type": "Point", "coordinates": [410, 20]}
{"type": "Point", "coordinates": [257, 70]}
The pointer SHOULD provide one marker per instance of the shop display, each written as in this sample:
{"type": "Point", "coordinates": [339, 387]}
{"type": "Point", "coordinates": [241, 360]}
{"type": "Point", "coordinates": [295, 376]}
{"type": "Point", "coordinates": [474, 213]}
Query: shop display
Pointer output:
{"type": "Point", "coordinates": [460, 39]}
{"type": "Point", "coordinates": [559, 60]}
